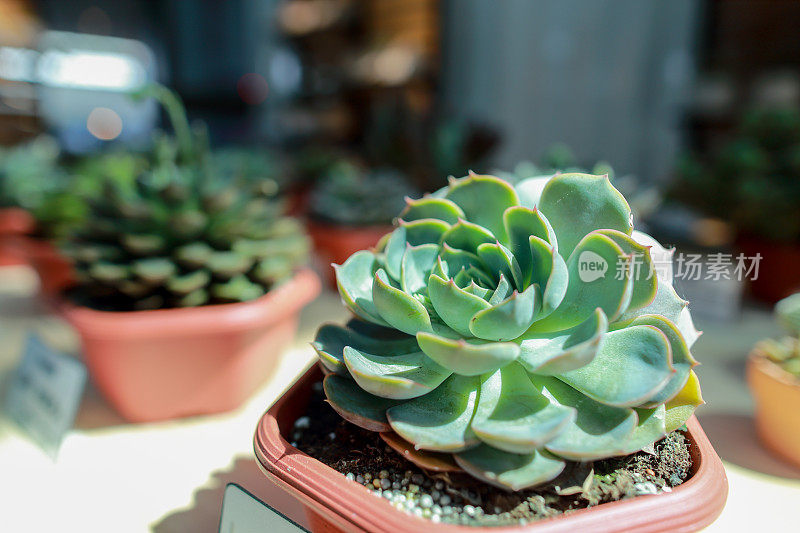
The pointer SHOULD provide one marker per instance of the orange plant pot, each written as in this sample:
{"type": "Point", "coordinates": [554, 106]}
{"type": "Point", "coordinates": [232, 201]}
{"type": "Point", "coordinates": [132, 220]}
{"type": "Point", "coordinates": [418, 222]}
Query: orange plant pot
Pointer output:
{"type": "Point", "coordinates": [777, 395]}
{"type": "Point", "coordinates": [162, 364]}
{"type": "Point", "coordinates": [333, 503]}
{"type": "Point", "coordinates": [334, 244]}
{"type": "Point", "coordinates": [53, 268]}
{"type": "Point", "coordinates": [15, 224]}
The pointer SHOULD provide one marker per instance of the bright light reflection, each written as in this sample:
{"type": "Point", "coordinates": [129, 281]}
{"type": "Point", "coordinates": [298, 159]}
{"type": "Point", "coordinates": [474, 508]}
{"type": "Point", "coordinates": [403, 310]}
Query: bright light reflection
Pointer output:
{"type": "Point", "coordinates": [104, 123]}
{"type": "Point", "coordinates": [86, 69]}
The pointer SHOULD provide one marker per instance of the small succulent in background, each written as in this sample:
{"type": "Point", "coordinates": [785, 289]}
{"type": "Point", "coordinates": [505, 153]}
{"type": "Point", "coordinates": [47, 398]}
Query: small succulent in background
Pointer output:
{"type": "Point", "coordinates": [751, 180]}
{"type": "Point", "coordinates": [507, 330]}
{"type": "Point", "coordinates": [253, 166]}
{"type": "Point", "coordinates": [350, 195]}
{"type": "Point", "coordinates": [29, 172]}
{"type": "Point", "coordinates": [785, 352]}
{"type": "Point", "coordinates": [183, 234]}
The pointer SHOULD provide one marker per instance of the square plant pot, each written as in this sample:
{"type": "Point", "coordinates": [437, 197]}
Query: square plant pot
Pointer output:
{"type": "Point", "coordinates": [168, 363]}
{"type": "Point", "coordinates": [333, 503]}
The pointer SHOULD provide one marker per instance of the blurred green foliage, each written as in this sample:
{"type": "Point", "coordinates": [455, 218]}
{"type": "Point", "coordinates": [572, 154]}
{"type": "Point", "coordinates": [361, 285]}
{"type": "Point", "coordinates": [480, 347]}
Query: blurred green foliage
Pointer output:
{"type": "Point", "coordinates": [753, 179]}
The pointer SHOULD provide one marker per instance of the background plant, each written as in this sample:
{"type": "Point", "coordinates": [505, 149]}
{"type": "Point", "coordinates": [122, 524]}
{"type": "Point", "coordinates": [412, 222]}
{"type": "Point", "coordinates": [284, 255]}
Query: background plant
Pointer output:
{"type": "Point", "coordinates": [351, 195]}
{"type": "Point", "coordinates": [485, 341]}
{"type": "Point", "coordinates": [785, 352]}
{"type": "Point", "coordinates": [183, 234]}
{"type": "Point", "coordinates": [753, 179]}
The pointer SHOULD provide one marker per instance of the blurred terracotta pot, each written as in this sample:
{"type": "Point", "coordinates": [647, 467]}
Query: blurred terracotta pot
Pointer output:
{"type": "Point", "coordinates": [168, 363]}
{"type": "Point", "coordinates": [15, 224]}
{"type": "Point", "coordinates": [334, 503]}
{"type": "Point", "coordinates": [779, 268]}
{"type": "Point", "coordinates": [53, 268]}
{"type": "Point", "coordinates": [334, 244]}
{"type": "Point", "coordinates": [777, 395]}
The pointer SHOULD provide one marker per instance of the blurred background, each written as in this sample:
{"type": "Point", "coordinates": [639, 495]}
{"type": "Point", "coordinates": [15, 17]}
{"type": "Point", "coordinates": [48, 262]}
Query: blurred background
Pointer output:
{"type": "Point", "coordinates": [692, 103]}
{"type": "Point", "coordinates": [691, 106]}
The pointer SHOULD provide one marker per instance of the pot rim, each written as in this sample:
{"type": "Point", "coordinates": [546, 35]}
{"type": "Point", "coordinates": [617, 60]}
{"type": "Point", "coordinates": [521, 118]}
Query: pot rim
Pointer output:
{"type": "Point", "coordinates": [283, 300]}
{"type": "Point", "coordinates": [689, 506]}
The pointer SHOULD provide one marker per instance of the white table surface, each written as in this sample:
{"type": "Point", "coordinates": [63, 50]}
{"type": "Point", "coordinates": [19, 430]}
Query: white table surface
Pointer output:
{"type": "Point", "coordinates": [169, 477]}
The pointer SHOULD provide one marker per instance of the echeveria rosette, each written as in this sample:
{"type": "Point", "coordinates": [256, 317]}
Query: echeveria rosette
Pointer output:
{"type": "Point", "coordinates": [478, 335]}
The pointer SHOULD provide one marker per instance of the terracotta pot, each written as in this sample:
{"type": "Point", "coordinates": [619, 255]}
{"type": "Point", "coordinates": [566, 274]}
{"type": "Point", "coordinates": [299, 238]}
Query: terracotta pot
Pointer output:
{"type": "Point", "coordinates": [52, 267]}
{"type": "Point", "coordinates": [155, 365]}
{"type": "Point", "coordinates": [334, 244]}
{"type": "Point", "coordinates": [779, 269]}
{"type": "Point", "coordinates": [777, 395]}
{"type": "Point", "coordinates": [334, 503]}
{"type": "Point", "coordinates": [15, 224]}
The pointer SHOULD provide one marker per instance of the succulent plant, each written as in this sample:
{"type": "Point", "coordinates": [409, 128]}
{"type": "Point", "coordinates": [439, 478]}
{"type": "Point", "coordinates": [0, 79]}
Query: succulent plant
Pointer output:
{"type": "Point", "coordinates": [785, 352]}
{"type": "Point", "coordinates": [351, 195]}
{"type": "Point", "coordinates": [492, 333]}
{"type": "Point", "coordinates": [183, 234]}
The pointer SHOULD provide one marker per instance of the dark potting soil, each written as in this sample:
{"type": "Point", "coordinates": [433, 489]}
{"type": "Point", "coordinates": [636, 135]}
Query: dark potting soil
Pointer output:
{"type": "Point", "coordinates": [363, 457]}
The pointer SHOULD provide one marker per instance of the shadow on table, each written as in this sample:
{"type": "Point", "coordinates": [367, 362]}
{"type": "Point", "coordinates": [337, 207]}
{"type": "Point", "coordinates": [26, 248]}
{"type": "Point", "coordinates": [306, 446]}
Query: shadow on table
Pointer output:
{"type": "Point", "coordinates": [204, 513]}
{"type": "Point", "coordinates": [734, 438]}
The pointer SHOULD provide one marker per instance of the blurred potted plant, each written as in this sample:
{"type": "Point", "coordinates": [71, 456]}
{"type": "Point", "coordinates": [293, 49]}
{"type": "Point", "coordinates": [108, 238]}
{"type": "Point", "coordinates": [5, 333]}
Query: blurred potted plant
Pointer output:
{"type": "Point", "coordinates": [773, 372]}
{"type": "Point", "coordinates": [28, 172]}
{"type": "Point", "coordinates": [493, 348]}
{"type": "Point", "coordinates": [351, 209]}
{"type": "Point", "coordinates": [189, 284]}
{"type": "Point", "coordinates": [64, 206]}
{"type": "Point", "coordinates": [750, 182]}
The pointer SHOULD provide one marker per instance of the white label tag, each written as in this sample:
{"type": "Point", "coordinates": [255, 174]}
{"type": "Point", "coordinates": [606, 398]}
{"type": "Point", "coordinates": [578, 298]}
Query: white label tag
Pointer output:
{"type": "Point", "coordinates": [45, 393]}
{"type": "Point", "coordinates": [244, 513]}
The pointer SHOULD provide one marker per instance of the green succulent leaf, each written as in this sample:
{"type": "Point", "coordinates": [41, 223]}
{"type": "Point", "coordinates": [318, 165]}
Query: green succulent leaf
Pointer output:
{"type": "Point", "coordinates": [498, 261]}
{"type": "Point", "coordinates": [509, 471]}
{"type": "Point", "coordinates": [331, 340]}
{"type": "Point", "coordinates": [484, 199]}
{"type": "Point", "coordinates": [681, 407]}
{"type": "Point", "coordinates": [631, 366]}
{"type": "Point", "coordinates": [549, 354]}
{"type": "Point", "coordinates": [354, 279]}
{"type": "Point", "coordinates": [432, 208]}
{"type": "Point", "coordinates": [397, 308]}
{"type": "Point", "coordinates": [592, 284]}
{"type": "Point", "coordinates": [513, 415]}
{"type": "Point", "coordinates": [576, 204]}
{"type": "Point", "coordinates": [682, 360]}
{"type": "Point", "coordinates": [650, 427]}
{"type": "Point", "coordinates": [188, 282]}
{"type": "Point", "coordinates": [154, 270]}
{"type": "Point", "coordinates": [598, 430]}
{"type": "Point", "coordinates": [549, 272]}
{"type": "Point", "coordinates": [454, 305]}
{"type": "Point", "coordinates": [440, 420]}
{"type": "Point", "coordinates": [356, 405]}
{"type": "Point", "coordinates": [509, 319]}
{"type": "Point", "coordinates": [645, 281]}
{"type": "Point", "coordinates": [418, 232]}
{"type": "Point", "coordinates": [521, 224]}
{"type": "Point", "coordinates": [471, 357]}
{"type": "Point", "coordinates": [467, 236]}
{"type": "Point", "coordinates": [416, 266]}
{"type": "Point", "coordinates": [399, 377]}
